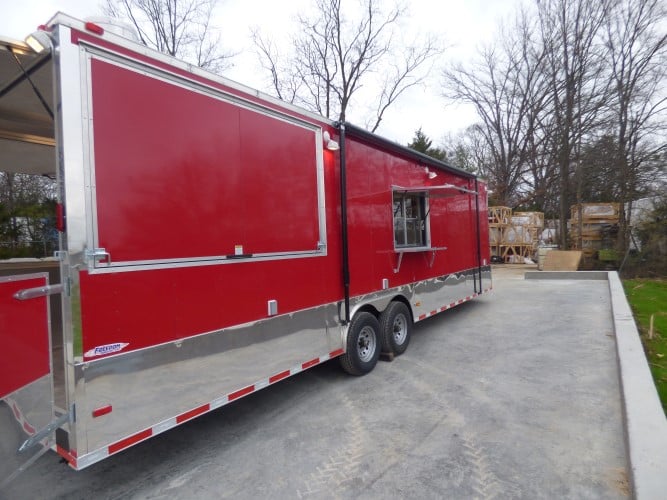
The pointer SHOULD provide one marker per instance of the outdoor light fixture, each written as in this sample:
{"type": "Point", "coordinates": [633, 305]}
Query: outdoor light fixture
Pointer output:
{"type": "Point", "coordinates": [329, 143]}
{"type": "Point", "coordinates": [431, 175]}
{"type": "Point", "coordinates": [39, 41]}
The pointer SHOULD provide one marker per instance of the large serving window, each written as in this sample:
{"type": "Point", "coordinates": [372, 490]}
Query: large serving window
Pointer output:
{"type": "Point", "coordinates": [182, 172]}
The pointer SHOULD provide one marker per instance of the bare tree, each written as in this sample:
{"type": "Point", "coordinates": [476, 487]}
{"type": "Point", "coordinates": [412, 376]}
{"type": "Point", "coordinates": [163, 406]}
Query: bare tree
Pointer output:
{"type": "Point", "coordinates": [505, 84]}
{"type": "Point", "coordinates": [334, 56]}
{"type": "Point", "coordinates": [466, 149]}
{"type": "Point", "coordinates": [181, 28]}
{"type": "Point", "coordinates": [637, 55]}
{"type": "Point", "coordinates": [573, 109]}
{"type": "Point", "coordinates": [569, 33]}
{"type": "Point", "coordinates": [284, 81]}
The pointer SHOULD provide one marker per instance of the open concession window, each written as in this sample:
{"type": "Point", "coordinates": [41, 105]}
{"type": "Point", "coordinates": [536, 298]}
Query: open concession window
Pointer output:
{"type": "Point", "coordinates": [411, 221]}
{"type": "Point", "coordinates": [27, 153]}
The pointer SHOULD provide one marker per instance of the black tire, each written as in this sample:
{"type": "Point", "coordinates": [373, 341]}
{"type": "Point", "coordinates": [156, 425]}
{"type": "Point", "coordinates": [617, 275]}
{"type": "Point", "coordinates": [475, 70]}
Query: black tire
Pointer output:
{"type": "Point", "coordinates": [396, 327]}
{"type": "Point", "coordinates": [362, 344]}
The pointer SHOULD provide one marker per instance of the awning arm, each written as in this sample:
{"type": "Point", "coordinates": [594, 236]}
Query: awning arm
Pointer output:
{"type": "Point", "coordinates": [434, 189]}
{"type": "Point", "coordinates": [26, 74]}
{"type": "Point", "coordinates": [38, 63]}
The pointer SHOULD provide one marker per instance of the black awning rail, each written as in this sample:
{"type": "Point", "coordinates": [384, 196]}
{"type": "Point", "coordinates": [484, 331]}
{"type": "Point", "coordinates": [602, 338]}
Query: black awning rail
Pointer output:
{"type": "Point", "coordinates": [435, 191]}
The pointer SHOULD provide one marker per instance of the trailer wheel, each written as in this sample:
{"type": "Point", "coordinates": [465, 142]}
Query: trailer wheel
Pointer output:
{"type": "Point", "coordinates": [396, 325]}
{"type": "Point", "coordinates": [363, 344]}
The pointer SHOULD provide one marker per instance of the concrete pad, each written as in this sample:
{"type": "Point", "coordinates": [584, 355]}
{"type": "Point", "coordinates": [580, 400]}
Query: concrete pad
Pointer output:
{"type": "Point", "coordinates": [512, 395]}
{"type": "Point", "coordinates": [644, 417]}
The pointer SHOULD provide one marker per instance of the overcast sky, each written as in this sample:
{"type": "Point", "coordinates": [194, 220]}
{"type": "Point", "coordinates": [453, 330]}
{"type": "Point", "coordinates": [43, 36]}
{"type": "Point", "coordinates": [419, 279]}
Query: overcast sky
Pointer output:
{"type": "Point", "coordinates": [461, 24]}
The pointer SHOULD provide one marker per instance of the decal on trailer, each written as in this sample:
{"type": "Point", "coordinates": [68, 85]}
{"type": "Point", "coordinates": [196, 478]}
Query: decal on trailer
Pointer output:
{"type": "Point", "coordinates": [106, 349]}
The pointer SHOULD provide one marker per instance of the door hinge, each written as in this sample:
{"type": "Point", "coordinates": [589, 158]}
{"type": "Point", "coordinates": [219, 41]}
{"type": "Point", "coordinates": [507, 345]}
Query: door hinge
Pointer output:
{"type": "Point", "coordinates": [97, 255]}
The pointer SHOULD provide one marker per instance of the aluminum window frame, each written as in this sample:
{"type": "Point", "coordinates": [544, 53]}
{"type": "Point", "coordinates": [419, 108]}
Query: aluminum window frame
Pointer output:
{"type": "Point", "coordinates": [423, 217]}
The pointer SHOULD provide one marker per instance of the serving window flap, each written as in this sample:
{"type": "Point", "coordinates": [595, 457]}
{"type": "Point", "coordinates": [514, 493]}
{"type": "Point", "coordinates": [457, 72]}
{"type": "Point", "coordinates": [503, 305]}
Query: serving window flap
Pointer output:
{"type": "Point", "coordinates": [26, 380]}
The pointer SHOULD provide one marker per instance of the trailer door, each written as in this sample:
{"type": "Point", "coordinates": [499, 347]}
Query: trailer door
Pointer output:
{"type": "Point", "coordinates": [26, 381]}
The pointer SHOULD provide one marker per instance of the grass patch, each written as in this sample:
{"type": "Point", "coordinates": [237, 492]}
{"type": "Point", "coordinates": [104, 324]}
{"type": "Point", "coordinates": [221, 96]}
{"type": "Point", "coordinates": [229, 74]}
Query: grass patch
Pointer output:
{"type": "Point", "coordinates": [647, 298]}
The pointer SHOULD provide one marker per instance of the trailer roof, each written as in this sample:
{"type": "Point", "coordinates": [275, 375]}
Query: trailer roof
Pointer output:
{"type": "Point", "coordinates": [405, 151]}
{"type": "Point", "coordinates": [354, 130]}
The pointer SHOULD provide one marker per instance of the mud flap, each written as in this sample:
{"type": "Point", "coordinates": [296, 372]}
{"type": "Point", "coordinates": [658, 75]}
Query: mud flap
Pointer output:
{"type": "Point", "coordinates": [26, 379]}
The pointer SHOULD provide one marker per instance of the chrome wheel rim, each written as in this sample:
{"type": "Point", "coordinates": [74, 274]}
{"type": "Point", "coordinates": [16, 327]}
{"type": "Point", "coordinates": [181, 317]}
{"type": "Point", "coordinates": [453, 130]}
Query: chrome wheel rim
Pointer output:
{"type": "Point", "coordinates": [366, 344]}
{"type": "Point", "coordinates": [400, 329]}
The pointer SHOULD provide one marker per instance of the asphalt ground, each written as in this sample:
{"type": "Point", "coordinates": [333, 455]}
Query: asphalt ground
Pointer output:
{"type": "Point", "coordinates": [512, 395]}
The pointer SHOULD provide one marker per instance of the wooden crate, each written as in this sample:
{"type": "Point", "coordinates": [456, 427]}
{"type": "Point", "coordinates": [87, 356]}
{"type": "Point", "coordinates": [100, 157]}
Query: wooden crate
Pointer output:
{"type": "Point", "coordinates": [500, 215]}
{"type": "Point", "coordinates": [596, 212]}
{"type": "Point", "coordinates": [514, 254]}
{"type": "Point", "coordinates": [535, 219]}
{"type": "Point", "coordinates": [514, 237]}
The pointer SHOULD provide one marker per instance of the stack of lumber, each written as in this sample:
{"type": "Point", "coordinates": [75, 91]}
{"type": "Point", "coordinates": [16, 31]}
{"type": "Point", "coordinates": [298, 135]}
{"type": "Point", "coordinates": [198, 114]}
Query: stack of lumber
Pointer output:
{"type": "Point", "coordinates": [513, 237]}
{"type": "Point", "coordinates": [593, 222]}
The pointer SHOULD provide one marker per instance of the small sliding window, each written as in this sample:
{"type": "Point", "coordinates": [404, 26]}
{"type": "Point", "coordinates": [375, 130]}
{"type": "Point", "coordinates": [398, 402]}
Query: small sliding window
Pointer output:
{"type": "Point", "coordinates": [411, 221]}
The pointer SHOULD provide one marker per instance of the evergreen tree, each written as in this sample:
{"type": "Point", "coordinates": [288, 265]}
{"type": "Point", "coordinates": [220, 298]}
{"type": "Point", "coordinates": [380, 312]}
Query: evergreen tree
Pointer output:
{"type": "Point", "coordinates": [423, 144]}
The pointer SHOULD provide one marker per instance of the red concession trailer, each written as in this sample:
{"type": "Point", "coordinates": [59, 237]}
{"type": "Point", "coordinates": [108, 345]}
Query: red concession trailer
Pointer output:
{"type": "Point", "coordinates": [212, 241]}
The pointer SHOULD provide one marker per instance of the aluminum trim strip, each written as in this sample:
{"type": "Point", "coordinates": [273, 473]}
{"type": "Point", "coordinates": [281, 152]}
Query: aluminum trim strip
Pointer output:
{"type": "Point", "coordinates": [138, 437]}
{"type": "Point", "coordinates": [129, 266]}
{"type": "Point", "coordinates": [428, 295]}
{"type": "Point", "coordinates": [95, 376]}
{"type": "Point", "coordinates": [450, 306]}
{"type": "Point", "coordinates": [23, 277]}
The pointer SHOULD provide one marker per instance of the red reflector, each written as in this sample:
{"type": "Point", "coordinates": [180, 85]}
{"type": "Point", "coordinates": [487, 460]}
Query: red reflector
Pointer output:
{"type": "Point", "coordinates": [102, 410]}
{"type": "Point", "coordinates": [310, 363]}
{"type": "Point", "coordinates": [240, 393]}
{"type": "Point", "coordinates": [192, 413]}
{"type": "Point", "coordinates": [94, 28]}
{"type": "Point", "coordinates": [60, 217]}
{"type": "Point", "coordinates": [279, 376]}
{"type": "Point", "coordinates": [129, 441]}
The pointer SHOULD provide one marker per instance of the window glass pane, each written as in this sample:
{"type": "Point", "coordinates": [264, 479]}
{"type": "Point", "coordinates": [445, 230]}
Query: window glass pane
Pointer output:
{"type": "Point", "coordinates": [412, 205]}
{"type": "Point", "coordinates": [413, 232]}
{"type": "Point", "coordinates": [399, 231]}
{"type": "Point", "coordinates": [409, 219]}
{"type": "Point", "coordinates": [398, 206]}
{"type": "Point", "coordinates": [408, 207]}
